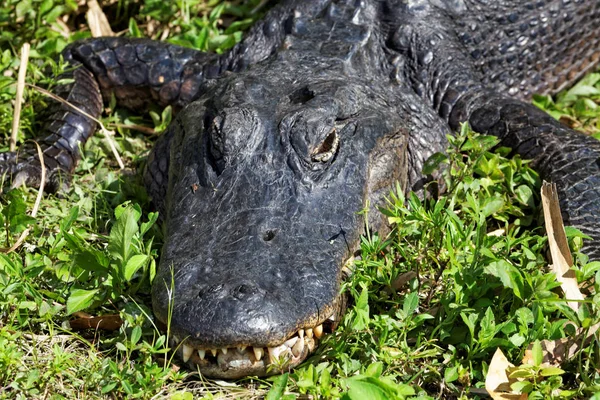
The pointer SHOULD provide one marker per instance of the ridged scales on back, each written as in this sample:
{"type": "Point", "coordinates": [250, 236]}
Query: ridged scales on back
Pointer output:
{"type": "Point", "coordinates": [315, 115]}
{"type": "Point", "coordinates": [527, 47]}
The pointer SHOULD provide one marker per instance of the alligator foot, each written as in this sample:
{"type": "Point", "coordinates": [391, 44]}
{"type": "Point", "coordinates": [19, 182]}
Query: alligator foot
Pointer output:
{"type": "Point", "coordinates": [26, 169]}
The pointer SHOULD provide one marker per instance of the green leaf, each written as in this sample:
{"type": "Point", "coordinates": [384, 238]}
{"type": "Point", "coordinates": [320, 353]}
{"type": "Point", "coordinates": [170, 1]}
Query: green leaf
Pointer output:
{"type": "Point", "coordinates": [590, 269]}
{"type": "Point", "coordinates": [145, 226]}
{"type": "Point", "coordinates": [22, 8]}
{"type": "Point", "coordinates": [152, 271]}
{"type": "Point", "coordinates": [277, 390]}
{"type": "Point", "coordinates": [359, 389]}
{"type": "Point", "coordinates": [54, 13]}
{"type": "Point", "coordinates": [166, 115]}
{"type": "Point", "coordinates": [420, 318]}
{"type": "Point", "coordinates": [488, 326]}
{"type": "Point", "coordinates": [537, 353]}
{"type": "Point", "coordinates": [525, 195]}
{"type": "Point", "coordinates": [492, 205]}
{"type": "Point", "coordinates": [13, 268]}
{"type": "Point", "coordinates": [551, 371]}
{"type": "Point", "coordinates": [134, 30]}
{"type": "Point", "coordinates": [325, 379]}
{"type": "Point", "coordinates": [434, 162]}
{"type": "Point", "coordinates": [451, 374]}
{"type": "Point", "coordinates": [522, 372]}
{"type": "Point", "coordinates": [133, 264]}
{"type": "Point", "coordinates": [509, 275]}
{"type": "Point", "coordinates": [374, 370]}
{"type": "Point", "coordinates": [80, 299]}
{"type": "Point", "coordinates": [582, 89]}
{"type": "Point", "coordinates": [127, 387]}
{"type": "Point", "coordinates": [108, 387]}
{"type": "Point", "coordinates": [201, 42]}
{"type": "Point", "coordinates": [88, 260]}
{"type": "Point", "coordinates": [411, 302]}
{"type": "Point", "coordinates": [517, 340]}
{"type": "Point", "coordinates": [16, 212]}
{"type": "Point", "coordinates": [45, 6]}
{"type": "Point", "coordinates": [136, 334]}
{"type": "Point", "coordinates": [155, 118]}
{"type": "Point", "coordinates": [469, 320]}
{"type": "Point", "coordinates": [522, 387]}
{"type": "Point", "coordinates": [123, 232]}
{"type": "Point", "coordinates": [361, 309]}
{"type": "Point", "coordinates": [573, 232]}
{"type": "Point", "coordinates": [65, 224]}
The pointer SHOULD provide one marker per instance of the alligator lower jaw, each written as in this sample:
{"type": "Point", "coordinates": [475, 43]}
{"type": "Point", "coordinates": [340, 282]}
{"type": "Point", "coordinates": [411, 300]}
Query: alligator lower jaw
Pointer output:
{"type": "Point", "coordinates": [241, 361]}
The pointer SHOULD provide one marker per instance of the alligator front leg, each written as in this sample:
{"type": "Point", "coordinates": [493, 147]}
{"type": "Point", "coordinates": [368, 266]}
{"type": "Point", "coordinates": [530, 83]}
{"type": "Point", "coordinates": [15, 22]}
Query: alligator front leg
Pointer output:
{"type": "Point", "coordinates": [465, 89]}
{"type": "Point", "coordinates": [138, 72]}
{"type": "Point", "coordinates": [561, 155]}
{"type": "Point", "coordinates": [64, 128]}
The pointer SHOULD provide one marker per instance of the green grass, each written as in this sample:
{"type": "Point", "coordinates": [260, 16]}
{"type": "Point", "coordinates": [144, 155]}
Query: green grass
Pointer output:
{"type": "Point", "coordinates": [459, 276]}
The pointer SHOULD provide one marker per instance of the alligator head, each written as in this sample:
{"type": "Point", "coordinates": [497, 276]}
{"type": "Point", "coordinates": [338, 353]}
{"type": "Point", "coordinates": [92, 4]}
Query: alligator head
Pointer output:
{"type": "Point", "coordinates": [267, 176]}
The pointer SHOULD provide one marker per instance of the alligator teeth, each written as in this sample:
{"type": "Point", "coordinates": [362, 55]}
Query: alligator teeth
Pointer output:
{"type": "Point", "coordinates": [273, 353]}
{"type": "Point", "coordinates": [276, 352]}
{"type": "Point", "coordinates": [332, 318]}
{"type": "Point", "coordinates": [294, 346]}
{"type": "Point", "coordinates": [258, 353]}
{"type": "Point", "coordinates": [346, 269]}
{"type": "Point", "coordinates": [291, 342]}
{"type": "Point", "coordinates": [318, 331]}
{"type": "Point", "coordinates": [298, 348]}
{"type": "Point", "coordinates": [187, 352]}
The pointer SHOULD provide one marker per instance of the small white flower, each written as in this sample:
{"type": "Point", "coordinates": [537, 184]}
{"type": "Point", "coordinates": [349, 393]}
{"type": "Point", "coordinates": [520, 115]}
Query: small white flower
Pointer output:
{"type": "Point", "coordinates": [29, 247]}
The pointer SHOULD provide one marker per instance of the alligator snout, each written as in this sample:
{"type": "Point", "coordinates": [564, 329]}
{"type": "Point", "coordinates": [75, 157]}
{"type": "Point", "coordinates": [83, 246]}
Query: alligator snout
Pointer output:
{"type": "Point", "coordinates": [234, 318]}
{"type": "Point", "coordinates": [259, 284]}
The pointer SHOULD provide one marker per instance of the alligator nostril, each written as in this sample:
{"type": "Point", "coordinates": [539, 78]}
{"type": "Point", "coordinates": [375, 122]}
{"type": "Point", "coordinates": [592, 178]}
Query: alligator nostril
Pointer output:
{"type": "Point", "coordinates": [244, 291]}
{"type": "Point", "coordinates": [301, 96]}
{"type": "Point", "coordinates": [211, 290]}
{"type": "Point", "coordinates": [269, 235]}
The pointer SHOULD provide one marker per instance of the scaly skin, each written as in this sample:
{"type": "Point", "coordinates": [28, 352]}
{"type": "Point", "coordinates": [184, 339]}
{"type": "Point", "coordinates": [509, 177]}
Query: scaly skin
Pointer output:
{"type": "Point", "coordinates": [327, 106]}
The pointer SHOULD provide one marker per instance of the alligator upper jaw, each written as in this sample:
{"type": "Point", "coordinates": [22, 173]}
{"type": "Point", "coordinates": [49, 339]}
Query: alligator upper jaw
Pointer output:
{"type": "Point", "coordinates": [240, 361]}
{"type": "Point", "coordinates": [234, 286]}
{"type": "Point", "coordinates": [255, 241]}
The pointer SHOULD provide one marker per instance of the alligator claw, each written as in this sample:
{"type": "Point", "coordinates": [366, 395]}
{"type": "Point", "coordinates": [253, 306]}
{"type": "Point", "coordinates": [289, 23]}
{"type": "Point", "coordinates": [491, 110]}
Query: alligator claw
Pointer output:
{"type": "Point", "coordinates": [20, 179]}
{"type": "Point", "coordinates": [26, 170]}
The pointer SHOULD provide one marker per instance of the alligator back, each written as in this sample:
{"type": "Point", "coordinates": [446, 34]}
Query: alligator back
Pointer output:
{"type": "Point", "coordinates": [526, 47]}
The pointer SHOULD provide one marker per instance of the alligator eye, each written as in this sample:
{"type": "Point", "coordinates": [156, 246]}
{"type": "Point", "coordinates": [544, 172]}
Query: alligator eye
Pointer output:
{"type": "Point", "coordinates": [327, 149]}
{"type": "Point", "coordinates": [216, 137]}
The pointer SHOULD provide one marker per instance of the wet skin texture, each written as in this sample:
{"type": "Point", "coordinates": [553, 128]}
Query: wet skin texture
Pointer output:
{"type": "Point", "coordinates": [316, 114]}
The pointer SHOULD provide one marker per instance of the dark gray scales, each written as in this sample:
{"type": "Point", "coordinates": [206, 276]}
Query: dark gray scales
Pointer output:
{"type": "Point", "coordinates": [319, 111]}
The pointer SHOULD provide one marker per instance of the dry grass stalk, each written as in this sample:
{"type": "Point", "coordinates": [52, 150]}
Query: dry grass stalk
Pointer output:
{"type": "Point", "coordinates": [19, 99]}
{"type": "Point", "coordinates": [97, 20]}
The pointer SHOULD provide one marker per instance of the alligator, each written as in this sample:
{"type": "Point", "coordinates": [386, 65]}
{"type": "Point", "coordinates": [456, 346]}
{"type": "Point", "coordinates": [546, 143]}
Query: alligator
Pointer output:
{"type": "Point", "coordinates": [315, 115]}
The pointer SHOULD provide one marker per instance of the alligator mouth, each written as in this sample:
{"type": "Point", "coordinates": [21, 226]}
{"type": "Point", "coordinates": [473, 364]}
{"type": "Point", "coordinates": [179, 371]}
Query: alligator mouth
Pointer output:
{"type": "Point", "coordinates": [248, 360]}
